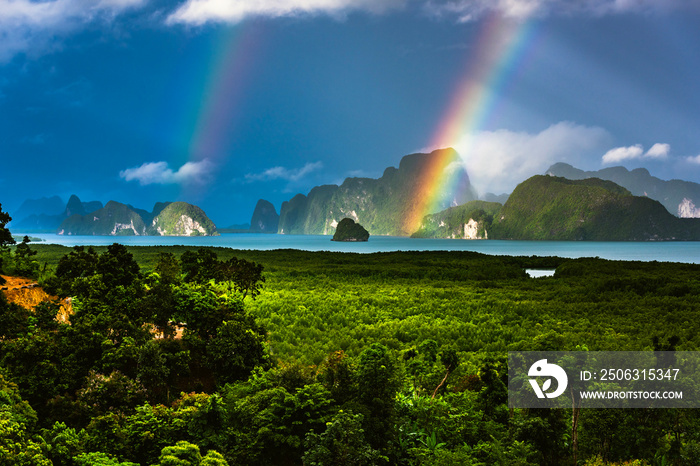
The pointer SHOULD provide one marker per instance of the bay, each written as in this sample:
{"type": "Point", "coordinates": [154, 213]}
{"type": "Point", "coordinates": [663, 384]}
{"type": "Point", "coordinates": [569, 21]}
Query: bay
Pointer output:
{"type": "Point", "coordinates": [667, 251]}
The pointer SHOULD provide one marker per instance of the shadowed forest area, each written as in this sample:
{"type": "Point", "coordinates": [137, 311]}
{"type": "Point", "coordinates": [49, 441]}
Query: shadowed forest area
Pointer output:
{"type": "Point", "coordinates": [214, 356]}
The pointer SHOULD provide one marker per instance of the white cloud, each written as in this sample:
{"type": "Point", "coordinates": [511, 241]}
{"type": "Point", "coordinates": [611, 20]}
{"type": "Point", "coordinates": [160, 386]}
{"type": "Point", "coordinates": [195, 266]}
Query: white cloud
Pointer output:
{"type": "Point", "coordinates": [32, 27]}
{"type": "Point", "coordinates": [619, 154]}
{"type": "Point", "coordinates": [658, 151]}
{"type": "Point", "coordinates": [282, 173]}
{"type": "Point", "coordinates": [470, 10]}
{"type": "Point", "coordinates": [198, 12]}
{"type": "Point", "coordinates": [37, 26]}
{"type": "Point", "coordinates": [498, 160]}
{"type": "Point", "coordinates": [161, 173]}
{"type": "Point", "coordinates": [694, 160]}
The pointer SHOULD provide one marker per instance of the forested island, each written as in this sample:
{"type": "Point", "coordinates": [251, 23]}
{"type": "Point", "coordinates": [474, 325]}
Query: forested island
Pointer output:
{"type": "Point", "coordinates": [563, 204]}
{"type": "Point", "coordinates": [113, 219]}
{"type": "Point", "coordinates": [214, 356]}
{"type": "Point", "coordinates": [429, 195]}
{"type": "Point", "coordinates": [349, 231]}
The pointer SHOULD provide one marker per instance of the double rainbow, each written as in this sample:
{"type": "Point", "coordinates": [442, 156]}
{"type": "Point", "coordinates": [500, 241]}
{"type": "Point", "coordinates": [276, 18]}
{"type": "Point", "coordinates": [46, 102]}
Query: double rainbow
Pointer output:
{"type": "Point", "coordinates": [490, 67]}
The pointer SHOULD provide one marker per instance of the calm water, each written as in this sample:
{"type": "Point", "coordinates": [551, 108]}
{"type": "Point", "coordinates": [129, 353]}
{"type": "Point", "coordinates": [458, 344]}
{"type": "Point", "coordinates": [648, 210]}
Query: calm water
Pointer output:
{"type": "Point", "coordinates": [538, 273]}
{"type": "Point", "coordinates": [643, 251]}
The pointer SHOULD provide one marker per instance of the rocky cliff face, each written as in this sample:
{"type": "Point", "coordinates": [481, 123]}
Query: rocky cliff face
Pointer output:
{"type": "Point", "coordinates": [265, 218]}
{"type": "Point", "coordinates": [116, 219]}
{"type": "Point", "coordinates": [391, 205]}
{"type": "Point", "coordinates": [182, 219]}
{"type": "Point", "coordinates": [75, 207]}
{"type": "Point", "coordinates": [687, 209]}
{"type": "Point", "coordinates": [474, 230]}
{"type": "Point", "coordinates": [182, 226]}
{"type": "Point", "coordinates": [468, 221]}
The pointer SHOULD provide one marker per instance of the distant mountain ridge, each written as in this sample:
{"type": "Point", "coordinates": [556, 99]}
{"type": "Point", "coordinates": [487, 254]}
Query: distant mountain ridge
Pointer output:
{"type": "Point", "coordinates": [117, 219]}
{"type": "Point", "coordinates": [47, 214]}
{"type": "Point", "coordinates": [547, 207]}
{"type": "Point", "coordinates": [681, 198]}
{"type": "Point", "coordinates": [53, 205]}
{"type": "Point", "coordinates": [384, 206]}
{"type": "Point", "coordinates": [114, 219]}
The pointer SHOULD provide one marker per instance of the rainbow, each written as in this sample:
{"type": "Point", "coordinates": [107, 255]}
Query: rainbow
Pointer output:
{"type": "Point", "coordinates": [501, 49]}
{"type": "Point", "coordinates": [210, 135]}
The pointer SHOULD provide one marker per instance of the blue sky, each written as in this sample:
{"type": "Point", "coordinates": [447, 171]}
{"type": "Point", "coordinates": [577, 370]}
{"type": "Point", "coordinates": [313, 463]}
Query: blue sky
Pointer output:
{"type": "Point", "coordinates": [220, 103]}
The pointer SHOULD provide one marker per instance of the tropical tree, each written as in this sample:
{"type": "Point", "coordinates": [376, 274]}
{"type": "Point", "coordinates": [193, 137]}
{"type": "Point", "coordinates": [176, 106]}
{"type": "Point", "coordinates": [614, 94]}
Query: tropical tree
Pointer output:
{"type": "Point", "coordinates": [343, 443]}
{"type": "Point", "coordinates": [184, 453]}
{"type": "Point", "coordinates": [99, 459]}
{"type": "Point", "coordinates": [377, 384]}
{"type": "Point", "coordinates": [199, 266]}
{"type": "Point", "coordinates": [64, 442]}
{"type": "Point", "coordinates": [72, 270]}
{"type": "Point", "coordinates": [5, 237]}
{"type": "Point", "coordinates": [269, 423]}
{"type": "Point", "coordinates": [25, 265]}
{"type": "Point", "coordinates": [245, 276]}
{"type": "Point", "coordinates": [117, 266]}
{"type": "Point", "coordinates": [17, 419]}
{"type": "Point", "coordinates": [168, 268]}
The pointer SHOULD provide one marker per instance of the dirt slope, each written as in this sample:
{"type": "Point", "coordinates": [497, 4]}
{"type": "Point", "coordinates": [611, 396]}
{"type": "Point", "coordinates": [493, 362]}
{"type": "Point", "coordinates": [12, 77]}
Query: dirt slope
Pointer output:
{"type": "Point", "coordinates": [27, 293]}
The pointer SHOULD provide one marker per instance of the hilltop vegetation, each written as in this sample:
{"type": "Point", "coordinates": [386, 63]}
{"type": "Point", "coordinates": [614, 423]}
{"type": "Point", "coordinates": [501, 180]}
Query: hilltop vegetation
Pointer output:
{"type": "Point", "coordinates": [181, 219]}
{"type": "Point", "coordinates": [348, 230]}
{"type": "Point", "coordinates": [553, 208]}
{"type": "Point", "coordinates": [679, 197]}
{"type": "Point", "coordinates": [454, 222]}
{"type": "Point", "coordinates": [113, 219]}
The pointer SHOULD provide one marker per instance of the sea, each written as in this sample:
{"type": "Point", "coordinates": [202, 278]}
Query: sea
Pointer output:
{"type": "Point", "coordinates": [666, 251]}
